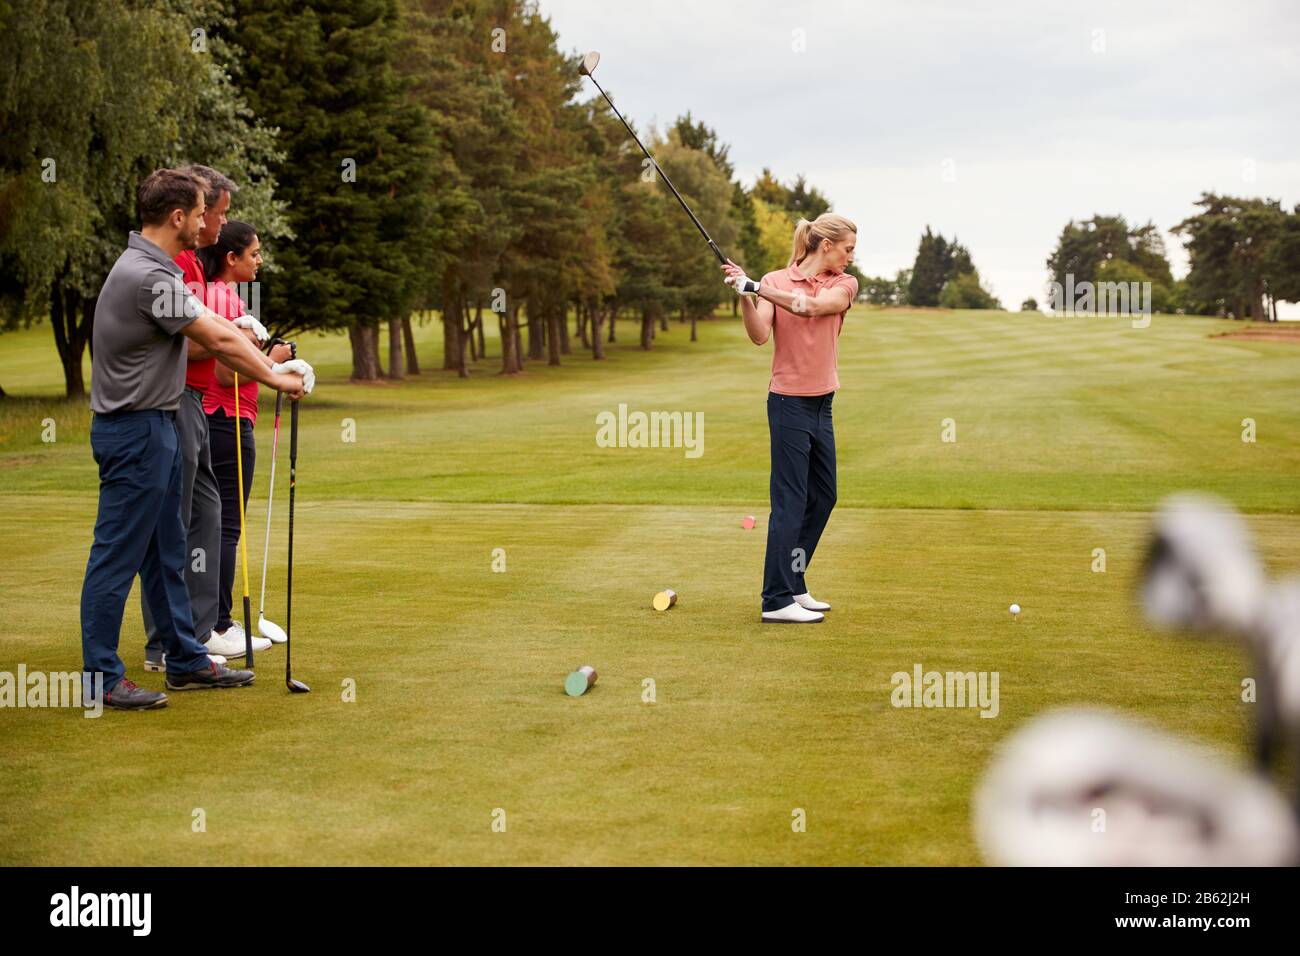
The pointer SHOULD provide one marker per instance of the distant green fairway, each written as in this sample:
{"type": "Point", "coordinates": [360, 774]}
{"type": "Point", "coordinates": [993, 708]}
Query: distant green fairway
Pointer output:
{"type": "Point", "coordinates": [1069, 431]}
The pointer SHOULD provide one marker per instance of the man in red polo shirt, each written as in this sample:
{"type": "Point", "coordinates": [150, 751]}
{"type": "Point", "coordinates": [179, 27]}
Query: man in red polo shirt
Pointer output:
{"type": "Point", "coordinates": [200, 494]}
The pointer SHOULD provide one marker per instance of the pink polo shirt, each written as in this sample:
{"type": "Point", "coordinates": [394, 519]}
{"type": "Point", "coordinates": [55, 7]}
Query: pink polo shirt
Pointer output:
{"type": "Point", "coordinates": [224, 300]}
{"type": "Point", "coordinates": [806, 347]}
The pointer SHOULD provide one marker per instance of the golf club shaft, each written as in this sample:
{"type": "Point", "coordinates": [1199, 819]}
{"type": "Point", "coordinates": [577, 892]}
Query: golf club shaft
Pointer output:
{"type": "Point", "coordinates": [266, 547]}
{"type": "Point", "coordinates": [695, 219]}
{"type": "Point", "coordinates": [288, 585]}
{"type": "Point", "coordinates": [243, 540]}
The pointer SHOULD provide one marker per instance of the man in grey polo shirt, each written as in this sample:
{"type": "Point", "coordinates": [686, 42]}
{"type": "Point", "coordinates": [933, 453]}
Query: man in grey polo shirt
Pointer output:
{"type": "Point", "coordinates": [143, 318]}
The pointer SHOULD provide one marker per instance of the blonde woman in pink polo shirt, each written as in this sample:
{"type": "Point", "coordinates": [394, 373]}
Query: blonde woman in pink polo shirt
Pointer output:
{"type": "Point", "coordinates": [802, 307]}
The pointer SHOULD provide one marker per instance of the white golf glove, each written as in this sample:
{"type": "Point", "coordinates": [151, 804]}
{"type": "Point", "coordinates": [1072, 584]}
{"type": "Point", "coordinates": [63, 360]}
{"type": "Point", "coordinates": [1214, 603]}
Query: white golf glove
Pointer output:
{"type": "Point", "coordinates": [743, 284]}
{"type": "Point", "coordinates": [250, 322]}
{"type": "Point", "coordinates": [302, 368]}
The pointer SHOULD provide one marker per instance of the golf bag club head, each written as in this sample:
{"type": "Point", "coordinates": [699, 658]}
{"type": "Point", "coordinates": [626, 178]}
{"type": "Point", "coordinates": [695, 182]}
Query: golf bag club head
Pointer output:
{"type": "Point", "coordinates": [1202, 574]}
{"type": "Point", "coordinates": [1089, 788]}
{"type": "Point", "coordinates": [1201, 571]}
{"type": "Point", "coordinates": [1279, 635]}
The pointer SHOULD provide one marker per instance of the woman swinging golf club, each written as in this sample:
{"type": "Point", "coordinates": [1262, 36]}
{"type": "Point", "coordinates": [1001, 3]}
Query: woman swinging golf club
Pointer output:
{"type": "Point", "coordinates": [803, 307]}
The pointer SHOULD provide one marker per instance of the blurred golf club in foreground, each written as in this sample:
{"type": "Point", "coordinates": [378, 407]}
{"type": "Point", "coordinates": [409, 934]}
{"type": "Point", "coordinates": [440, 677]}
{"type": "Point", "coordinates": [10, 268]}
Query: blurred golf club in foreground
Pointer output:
{"type": "Point", "coordinates": [1090, 788]}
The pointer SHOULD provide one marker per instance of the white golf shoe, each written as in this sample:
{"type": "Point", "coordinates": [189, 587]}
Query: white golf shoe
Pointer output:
{"type": "Point", "coordinates": [792, 613]}
{"type": "Point", "coordinates": [233, 642]}
{"type": "Point", "coordinates": [810, 603]}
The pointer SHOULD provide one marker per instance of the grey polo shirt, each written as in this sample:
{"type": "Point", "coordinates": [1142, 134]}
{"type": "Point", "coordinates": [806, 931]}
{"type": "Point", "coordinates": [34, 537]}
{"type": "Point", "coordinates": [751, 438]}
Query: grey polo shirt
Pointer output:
{"type": "Point", "coordinates": [139, 353]}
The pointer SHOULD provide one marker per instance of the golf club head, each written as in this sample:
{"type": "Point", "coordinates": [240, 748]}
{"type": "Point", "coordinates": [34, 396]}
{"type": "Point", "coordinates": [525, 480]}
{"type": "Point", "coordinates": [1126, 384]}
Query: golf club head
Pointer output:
{"type": "Point", "coordinates": [271, 631]}
{"type": "Point", "coordinates": [297, 686]}
{"type": "Point", "coordinates": [1279, 639]}
{"type": "Point", "coordinates": [1201, 571]}
{"type": "Point", "coordinates": [588, 64]}
{"type": "Point", "coordinates": [1088, 788]}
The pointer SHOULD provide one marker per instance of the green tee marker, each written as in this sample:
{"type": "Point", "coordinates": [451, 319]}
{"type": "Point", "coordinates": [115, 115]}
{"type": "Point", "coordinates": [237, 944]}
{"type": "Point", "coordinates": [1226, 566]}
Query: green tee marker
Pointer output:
{"type": "Point", "coordinates": [576, 684]}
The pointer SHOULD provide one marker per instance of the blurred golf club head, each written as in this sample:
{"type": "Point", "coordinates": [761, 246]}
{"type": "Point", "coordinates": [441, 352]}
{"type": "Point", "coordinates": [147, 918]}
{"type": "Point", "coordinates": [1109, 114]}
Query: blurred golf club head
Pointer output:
{"type": "Point", "coordinates": [1088, 788]}
{"type": "Point", "coordinates": [1279, 645]}
{"type": "Point", "coordinates": [1201, 570]}
{"type": "Point", "coordinates": [588, 64]}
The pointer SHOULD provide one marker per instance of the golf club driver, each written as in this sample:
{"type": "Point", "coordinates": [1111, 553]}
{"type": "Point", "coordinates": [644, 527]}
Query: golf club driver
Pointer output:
{"type": "Point", "coordinates": [243, 538]}
{"type": "Point", "coordinates": [296, 686]}
{"type": "Point", "coordinates": [268, 629]}
{"type": "Point", "coordinates": [587, 68]}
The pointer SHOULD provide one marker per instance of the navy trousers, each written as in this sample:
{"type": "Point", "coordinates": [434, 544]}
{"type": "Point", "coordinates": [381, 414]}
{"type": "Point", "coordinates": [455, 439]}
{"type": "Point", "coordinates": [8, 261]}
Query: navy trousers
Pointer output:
{"type": "Point", "coordinates": [802, 491]}
{"type": "Point", "coordinates": [138, 531]}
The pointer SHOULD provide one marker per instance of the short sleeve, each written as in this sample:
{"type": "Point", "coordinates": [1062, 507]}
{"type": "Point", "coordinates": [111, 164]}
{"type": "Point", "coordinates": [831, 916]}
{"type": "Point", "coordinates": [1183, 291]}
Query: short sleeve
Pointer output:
{"type": "Point", "coordinates": [845, 281]}
{"type": "Point", "coordinates": [163, 300]}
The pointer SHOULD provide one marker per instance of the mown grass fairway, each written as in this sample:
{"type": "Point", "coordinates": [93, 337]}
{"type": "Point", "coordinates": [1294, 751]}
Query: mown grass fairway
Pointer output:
{"type": "Point", "coordinates": [1068, 432]}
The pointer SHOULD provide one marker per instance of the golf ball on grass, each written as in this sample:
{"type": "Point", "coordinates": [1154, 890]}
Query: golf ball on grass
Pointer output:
{"type": "Point", "coordinates": [748, 522]}
{"type": "Point", "coordinates": [1015, 611]}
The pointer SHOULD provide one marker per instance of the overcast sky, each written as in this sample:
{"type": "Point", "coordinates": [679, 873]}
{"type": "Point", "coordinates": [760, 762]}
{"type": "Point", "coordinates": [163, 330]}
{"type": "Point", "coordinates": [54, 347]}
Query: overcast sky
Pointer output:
{"type": "Point", "coordinates": [996, 122]}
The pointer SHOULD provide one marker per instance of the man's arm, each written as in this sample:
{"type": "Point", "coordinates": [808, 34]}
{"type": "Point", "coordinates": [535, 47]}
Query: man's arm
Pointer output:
{"type": "Point", "coordinates": [222, 339]}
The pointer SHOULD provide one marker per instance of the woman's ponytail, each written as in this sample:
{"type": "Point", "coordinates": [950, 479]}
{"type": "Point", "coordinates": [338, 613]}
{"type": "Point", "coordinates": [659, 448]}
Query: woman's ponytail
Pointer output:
{"type": "Point", "coordinates": [802, 233]}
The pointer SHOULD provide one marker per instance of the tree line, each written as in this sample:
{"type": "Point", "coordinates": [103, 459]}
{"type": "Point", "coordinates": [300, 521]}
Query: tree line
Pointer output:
{"type": "Point", "coordinates": [399, 159]}
{"type": "Point", "coordinates": [1243, 257]}
{"type": "Point", "coordinates": [439, 158]}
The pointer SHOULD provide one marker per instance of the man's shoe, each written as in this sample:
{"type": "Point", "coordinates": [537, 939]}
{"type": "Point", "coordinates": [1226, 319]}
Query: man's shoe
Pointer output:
{"type": "Point", "coordinates": [792, 613]}
{"type": "Point", "coordinates": [214, 675]}
{"type": "Point", "coordinates": [159, 667]}
{"type": "Point", "coordinates": [234, 642]}
{"type": "Point", "coordinates": [810, 603]}
{"type": "Point", "coordinates": [128, 695]}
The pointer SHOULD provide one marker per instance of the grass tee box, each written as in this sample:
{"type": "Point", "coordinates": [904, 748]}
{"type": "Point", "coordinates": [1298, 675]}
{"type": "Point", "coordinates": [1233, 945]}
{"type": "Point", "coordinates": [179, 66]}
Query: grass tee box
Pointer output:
{"type": "Point", "coordinates": [437, 733]}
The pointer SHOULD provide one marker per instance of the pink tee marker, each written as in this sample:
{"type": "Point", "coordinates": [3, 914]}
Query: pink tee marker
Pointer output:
{"type": "Point", "coordinates": [748, 522]}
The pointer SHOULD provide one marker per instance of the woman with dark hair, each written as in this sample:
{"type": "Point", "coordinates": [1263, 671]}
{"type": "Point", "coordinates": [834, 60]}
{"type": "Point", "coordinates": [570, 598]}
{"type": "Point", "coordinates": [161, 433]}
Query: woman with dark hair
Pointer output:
{"type": "Point", "coordinates": [232, 260]}
{"type": "Point", "coordinates": [802, 308]}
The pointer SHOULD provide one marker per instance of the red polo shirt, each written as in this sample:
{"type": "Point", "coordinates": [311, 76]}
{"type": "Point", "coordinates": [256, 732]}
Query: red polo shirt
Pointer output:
{"type": "Point", "coordinates": [806, 347]}
{"type": "Point", "coordinates": [198, 372]}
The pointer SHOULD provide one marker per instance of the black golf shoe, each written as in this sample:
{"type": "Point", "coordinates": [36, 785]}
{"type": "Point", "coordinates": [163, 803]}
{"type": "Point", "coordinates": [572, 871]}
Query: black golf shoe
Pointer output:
{"type": "Point", "coordinates": [214, 675]}
{"type": "Point", "coordinates": [128, 695]}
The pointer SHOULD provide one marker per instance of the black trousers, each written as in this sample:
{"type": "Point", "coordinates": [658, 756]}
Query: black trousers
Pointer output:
{"type": "Point", "coordinates": [802, 491]}
{"type": "Point", "coordinates": [221, 432]}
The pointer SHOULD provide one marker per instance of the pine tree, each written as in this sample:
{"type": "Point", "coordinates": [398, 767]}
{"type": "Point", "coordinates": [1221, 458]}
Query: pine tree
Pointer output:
{"type": "Point", "coordinates": [358, 157]}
